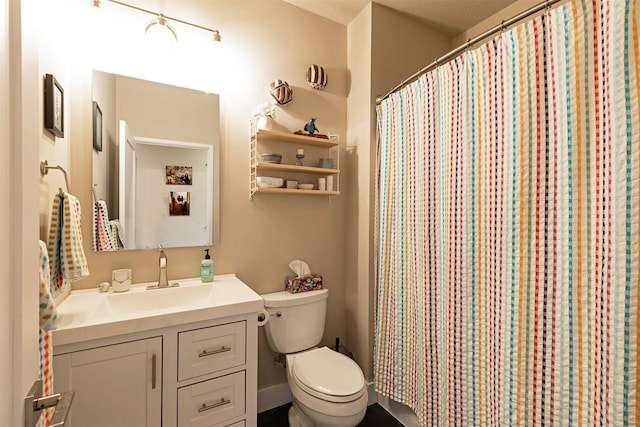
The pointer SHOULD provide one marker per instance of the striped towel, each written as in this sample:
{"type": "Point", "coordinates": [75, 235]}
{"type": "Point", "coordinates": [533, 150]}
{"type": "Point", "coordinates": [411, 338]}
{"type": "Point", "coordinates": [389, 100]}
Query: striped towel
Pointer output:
{"type": "Point", "coordinates": [117, 234]}
{"type": "Point", "coordinates": [65, 242]}
{"type": "Point", "coordinates": [46, 374]}
{"type": "Point", "coordinates": [48, 313]}
{"type": "Point", "coordinates": [102, 236]}
{"type": "Point", "coordinates": [48, 318]}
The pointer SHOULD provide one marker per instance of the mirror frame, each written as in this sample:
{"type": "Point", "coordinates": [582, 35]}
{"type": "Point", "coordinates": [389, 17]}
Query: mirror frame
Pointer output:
{"type": "Point", "coordinates": [214, 222]}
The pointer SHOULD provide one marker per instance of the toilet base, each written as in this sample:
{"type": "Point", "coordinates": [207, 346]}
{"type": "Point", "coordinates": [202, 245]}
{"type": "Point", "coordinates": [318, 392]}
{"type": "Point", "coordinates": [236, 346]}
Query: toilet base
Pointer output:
{"type": "Point", "coordinates": [297, 418]}
{"type": "Point", "coordinates": [300, 416]}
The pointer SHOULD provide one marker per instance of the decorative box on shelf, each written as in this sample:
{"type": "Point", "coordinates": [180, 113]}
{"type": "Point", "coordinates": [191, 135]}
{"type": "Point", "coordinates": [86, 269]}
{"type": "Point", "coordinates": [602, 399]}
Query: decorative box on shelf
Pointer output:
{"type": "Point", "coordinates": [303, 284]}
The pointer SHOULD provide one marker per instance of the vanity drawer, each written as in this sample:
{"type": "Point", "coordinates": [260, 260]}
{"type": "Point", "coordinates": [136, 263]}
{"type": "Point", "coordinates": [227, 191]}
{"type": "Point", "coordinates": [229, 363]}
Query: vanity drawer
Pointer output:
{"type": "Point", "coordinates": [206, 350]}
{"type": "Point", "coordinates": [212, 402]}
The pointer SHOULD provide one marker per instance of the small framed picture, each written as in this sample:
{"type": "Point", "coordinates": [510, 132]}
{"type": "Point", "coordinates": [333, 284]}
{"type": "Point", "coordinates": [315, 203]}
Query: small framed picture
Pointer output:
{"type": "Point", "coordinates": [179, 203]}
{"type": "Point", "coordinates": [179, 175]}
{"type": "Point", "coordinates": [97, 127]}
{"type": "Point", "coordinates": [53, 106]}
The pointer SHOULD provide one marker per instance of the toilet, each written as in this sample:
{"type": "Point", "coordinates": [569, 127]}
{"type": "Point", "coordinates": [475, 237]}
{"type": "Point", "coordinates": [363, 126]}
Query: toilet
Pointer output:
{"type": "Point", "coordinates": [328, 387]}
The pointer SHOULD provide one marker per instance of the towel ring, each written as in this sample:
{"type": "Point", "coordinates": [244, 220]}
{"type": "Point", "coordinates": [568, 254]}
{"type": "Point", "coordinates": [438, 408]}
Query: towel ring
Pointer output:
{"type": "Point", "coordinates": [44, 170]}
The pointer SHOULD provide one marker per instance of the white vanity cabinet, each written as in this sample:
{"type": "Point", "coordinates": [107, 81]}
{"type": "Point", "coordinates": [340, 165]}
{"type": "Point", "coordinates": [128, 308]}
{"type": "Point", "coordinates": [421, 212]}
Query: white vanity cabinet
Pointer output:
{"type": "Point", "coordinates": [211, 375]}
{"type": "Point", "coordinates": [115, 385]}
{"type": "Point", "coordinates": [201, 374]}
{"type": "Point", "coordinates": [185, 367]}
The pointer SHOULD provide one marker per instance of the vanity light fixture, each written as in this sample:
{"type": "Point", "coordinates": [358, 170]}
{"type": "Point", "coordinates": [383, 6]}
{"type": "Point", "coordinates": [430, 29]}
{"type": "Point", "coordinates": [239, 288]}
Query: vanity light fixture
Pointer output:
{"type": "Point", "coordinates": [160, 33]}
{"type": "Point", "coordinates": [160, 24]}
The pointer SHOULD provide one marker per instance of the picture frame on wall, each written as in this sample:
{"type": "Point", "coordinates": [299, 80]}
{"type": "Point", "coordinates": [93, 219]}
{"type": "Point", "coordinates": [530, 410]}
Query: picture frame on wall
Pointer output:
{"type": "Point", "coordinates": [179, 203]}
{"type": "Point", "coordinates": [53, 106]}
{"type": "Point", "coordinates": [179, 175]}
{"type": "Point", "coordinates": [97, 127]}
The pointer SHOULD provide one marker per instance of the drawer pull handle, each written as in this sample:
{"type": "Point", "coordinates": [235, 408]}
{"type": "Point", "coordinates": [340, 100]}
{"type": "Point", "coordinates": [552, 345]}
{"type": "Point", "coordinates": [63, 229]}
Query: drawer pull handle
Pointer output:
{"type": "Point", "coordinates": [206, 353]}
{"type": "Point", "coordinates": [206, 407]}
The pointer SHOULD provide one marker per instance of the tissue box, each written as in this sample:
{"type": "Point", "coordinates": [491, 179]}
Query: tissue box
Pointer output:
{"type": "Point", "coordinates": [303, 284]}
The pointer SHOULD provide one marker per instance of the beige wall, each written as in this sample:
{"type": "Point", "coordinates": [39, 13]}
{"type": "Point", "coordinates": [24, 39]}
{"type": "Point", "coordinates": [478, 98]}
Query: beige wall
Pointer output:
{"type": "Point", "coordinates": [261, 41]}
{"type": "Point", "coordinates": [104, 176]}
{"type": "Point", "coordinates": [400, 47]}
{"type": "Point", "coordinates": [6, 292]}
{"type": "Point", "coordinates": [359, 284]}
{"type": "Point", "coordinates": [384, 47]}
{"type": "Point", "coordinates": [507, 13]}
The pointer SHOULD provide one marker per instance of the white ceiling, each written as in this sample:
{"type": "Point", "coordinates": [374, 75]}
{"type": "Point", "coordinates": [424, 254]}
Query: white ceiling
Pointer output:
{"type": "Point", "coordinates": [451, 17]}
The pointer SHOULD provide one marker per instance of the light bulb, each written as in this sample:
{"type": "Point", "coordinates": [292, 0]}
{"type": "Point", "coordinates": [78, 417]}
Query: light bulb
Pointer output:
{"type": "Point", "coordinates": [160, 33]}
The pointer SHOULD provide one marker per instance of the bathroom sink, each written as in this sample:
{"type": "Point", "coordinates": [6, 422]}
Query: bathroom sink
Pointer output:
{"type": "Point", "coordinates": [88, 314]}
{"type": "Point", "coordinates": [144, 300]}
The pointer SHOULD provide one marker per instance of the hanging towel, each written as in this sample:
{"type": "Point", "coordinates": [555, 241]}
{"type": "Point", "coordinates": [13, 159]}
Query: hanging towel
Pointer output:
{"type": "Point", "coordinates": [102, 234]}
{"type": "Point", "coordinates": [48, 319]}
{"type": "Point", "coordinates": [117, 234]}
{"type": "Point", "coordinates": [46, 374]}
{"type": "Point", "coordinates": [65, 242]}
{"type": "Point", "coordinates": [48, 313]}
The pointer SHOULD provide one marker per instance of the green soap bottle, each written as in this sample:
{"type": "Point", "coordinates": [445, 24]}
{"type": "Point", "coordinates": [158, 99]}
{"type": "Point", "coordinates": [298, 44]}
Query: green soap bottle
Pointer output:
{"type": "Point", "coordinates": [206, 268]}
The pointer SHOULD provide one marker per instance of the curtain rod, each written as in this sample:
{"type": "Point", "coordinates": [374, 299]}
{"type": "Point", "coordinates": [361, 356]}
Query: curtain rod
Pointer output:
{"type": "Point", "coordinates": [457, 51]}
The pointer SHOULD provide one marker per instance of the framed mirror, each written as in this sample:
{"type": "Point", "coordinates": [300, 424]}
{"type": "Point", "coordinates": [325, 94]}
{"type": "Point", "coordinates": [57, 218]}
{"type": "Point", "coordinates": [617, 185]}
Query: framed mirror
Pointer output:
{"type": "Point", "coordinates": [155, 180]}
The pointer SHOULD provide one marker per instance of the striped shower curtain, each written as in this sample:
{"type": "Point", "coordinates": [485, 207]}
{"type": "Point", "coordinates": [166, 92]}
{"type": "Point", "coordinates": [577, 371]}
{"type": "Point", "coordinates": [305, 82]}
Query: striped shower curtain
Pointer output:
{"type": "Point", "coordinates": [507, 228]}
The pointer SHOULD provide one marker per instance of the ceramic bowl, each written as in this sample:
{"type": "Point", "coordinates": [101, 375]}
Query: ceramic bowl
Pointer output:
{"type": "Point", "coordinates": [269, 182]}
{"type": "Point", "coordinates": [271, 157]}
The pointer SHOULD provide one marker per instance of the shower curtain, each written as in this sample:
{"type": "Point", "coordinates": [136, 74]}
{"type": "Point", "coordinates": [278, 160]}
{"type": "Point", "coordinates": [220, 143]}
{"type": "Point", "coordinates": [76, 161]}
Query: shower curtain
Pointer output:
{"type": "Point", "coordinates": [507, 215]}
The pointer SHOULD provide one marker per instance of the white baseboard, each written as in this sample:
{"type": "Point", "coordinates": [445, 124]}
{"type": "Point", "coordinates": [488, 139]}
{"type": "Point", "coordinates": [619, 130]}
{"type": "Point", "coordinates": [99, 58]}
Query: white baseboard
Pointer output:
{"type": "Point", "coordinates": [373, 396]}
{"type": "Point", "coordinates": [274, 396]}
{"type": "Point", "coordinates": [401, 412]}
{"type": "Point", "coordinates": [280, 394]}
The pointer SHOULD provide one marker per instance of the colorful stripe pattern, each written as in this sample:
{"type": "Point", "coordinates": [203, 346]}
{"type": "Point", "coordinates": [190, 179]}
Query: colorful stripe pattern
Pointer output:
{"type": "Point", "coordinates": [507, 228]}
{"type": "Point", "coordinates": [65, 247]}
{"type": "Point", "coordinates": [48, 320]}
{"type": "Point", "coordinates": [103, 239]}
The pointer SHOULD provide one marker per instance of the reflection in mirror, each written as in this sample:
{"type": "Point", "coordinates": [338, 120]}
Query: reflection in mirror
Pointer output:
{"type": "Point", "coordinates": [156, 179]}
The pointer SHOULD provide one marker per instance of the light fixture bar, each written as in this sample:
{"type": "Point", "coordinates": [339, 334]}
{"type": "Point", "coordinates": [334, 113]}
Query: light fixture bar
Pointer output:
{"type": "Point", "coordinates": [216, 33]}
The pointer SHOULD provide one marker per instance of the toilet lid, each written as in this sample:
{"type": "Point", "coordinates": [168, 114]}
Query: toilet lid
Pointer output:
{"type": "Point", "coordinates": [326, 372]}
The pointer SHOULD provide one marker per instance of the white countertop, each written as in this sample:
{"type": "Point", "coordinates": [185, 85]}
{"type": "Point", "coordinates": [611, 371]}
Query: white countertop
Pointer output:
{"type": "Point", "coordinates": [88, 314]}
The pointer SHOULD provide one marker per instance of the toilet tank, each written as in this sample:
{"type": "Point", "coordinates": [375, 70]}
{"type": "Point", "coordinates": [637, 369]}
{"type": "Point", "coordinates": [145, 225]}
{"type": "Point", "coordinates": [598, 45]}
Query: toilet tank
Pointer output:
{"type": "Point", "coordinates": [296, 321]}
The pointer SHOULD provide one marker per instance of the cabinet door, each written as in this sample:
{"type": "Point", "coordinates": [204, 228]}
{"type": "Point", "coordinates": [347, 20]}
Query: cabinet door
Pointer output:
{"type": "Point", "coordinates": [116, 385]}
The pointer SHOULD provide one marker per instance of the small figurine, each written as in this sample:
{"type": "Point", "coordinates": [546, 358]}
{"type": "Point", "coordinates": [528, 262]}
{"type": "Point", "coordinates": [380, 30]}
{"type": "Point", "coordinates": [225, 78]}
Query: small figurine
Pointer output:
{"type": "Point", "coordinates": [311, 126]}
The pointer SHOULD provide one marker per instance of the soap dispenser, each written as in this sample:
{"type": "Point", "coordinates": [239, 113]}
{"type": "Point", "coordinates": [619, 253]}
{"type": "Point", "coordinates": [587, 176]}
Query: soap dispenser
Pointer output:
{"type": "Point", "coordinates": [206, 268]}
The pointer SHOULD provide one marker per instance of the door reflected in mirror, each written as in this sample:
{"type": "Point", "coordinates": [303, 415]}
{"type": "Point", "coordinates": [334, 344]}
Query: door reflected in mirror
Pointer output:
{"type": "Point", "coordinates": [160, 143]}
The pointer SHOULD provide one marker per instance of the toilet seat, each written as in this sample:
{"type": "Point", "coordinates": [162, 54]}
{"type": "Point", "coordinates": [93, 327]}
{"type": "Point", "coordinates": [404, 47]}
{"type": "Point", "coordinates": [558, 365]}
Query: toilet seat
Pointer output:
{"type": "Point", "coordinates": [328, 375]}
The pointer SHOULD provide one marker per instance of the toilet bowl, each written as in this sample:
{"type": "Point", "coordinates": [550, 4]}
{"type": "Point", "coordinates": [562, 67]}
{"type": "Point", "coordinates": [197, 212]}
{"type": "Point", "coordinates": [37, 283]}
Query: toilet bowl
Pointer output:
{"type": "Point", "coordinates": [328, 387]}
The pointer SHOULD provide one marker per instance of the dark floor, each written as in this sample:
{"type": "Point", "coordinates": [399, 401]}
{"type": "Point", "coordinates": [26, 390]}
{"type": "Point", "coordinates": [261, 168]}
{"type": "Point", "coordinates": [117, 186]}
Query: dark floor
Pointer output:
{"type": "Point", "coordinates": [376, 416]}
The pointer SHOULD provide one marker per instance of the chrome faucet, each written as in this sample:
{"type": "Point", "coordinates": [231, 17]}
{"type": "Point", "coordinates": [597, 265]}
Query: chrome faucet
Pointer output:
{"type": "Point", "coordinates": [163, 282]}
